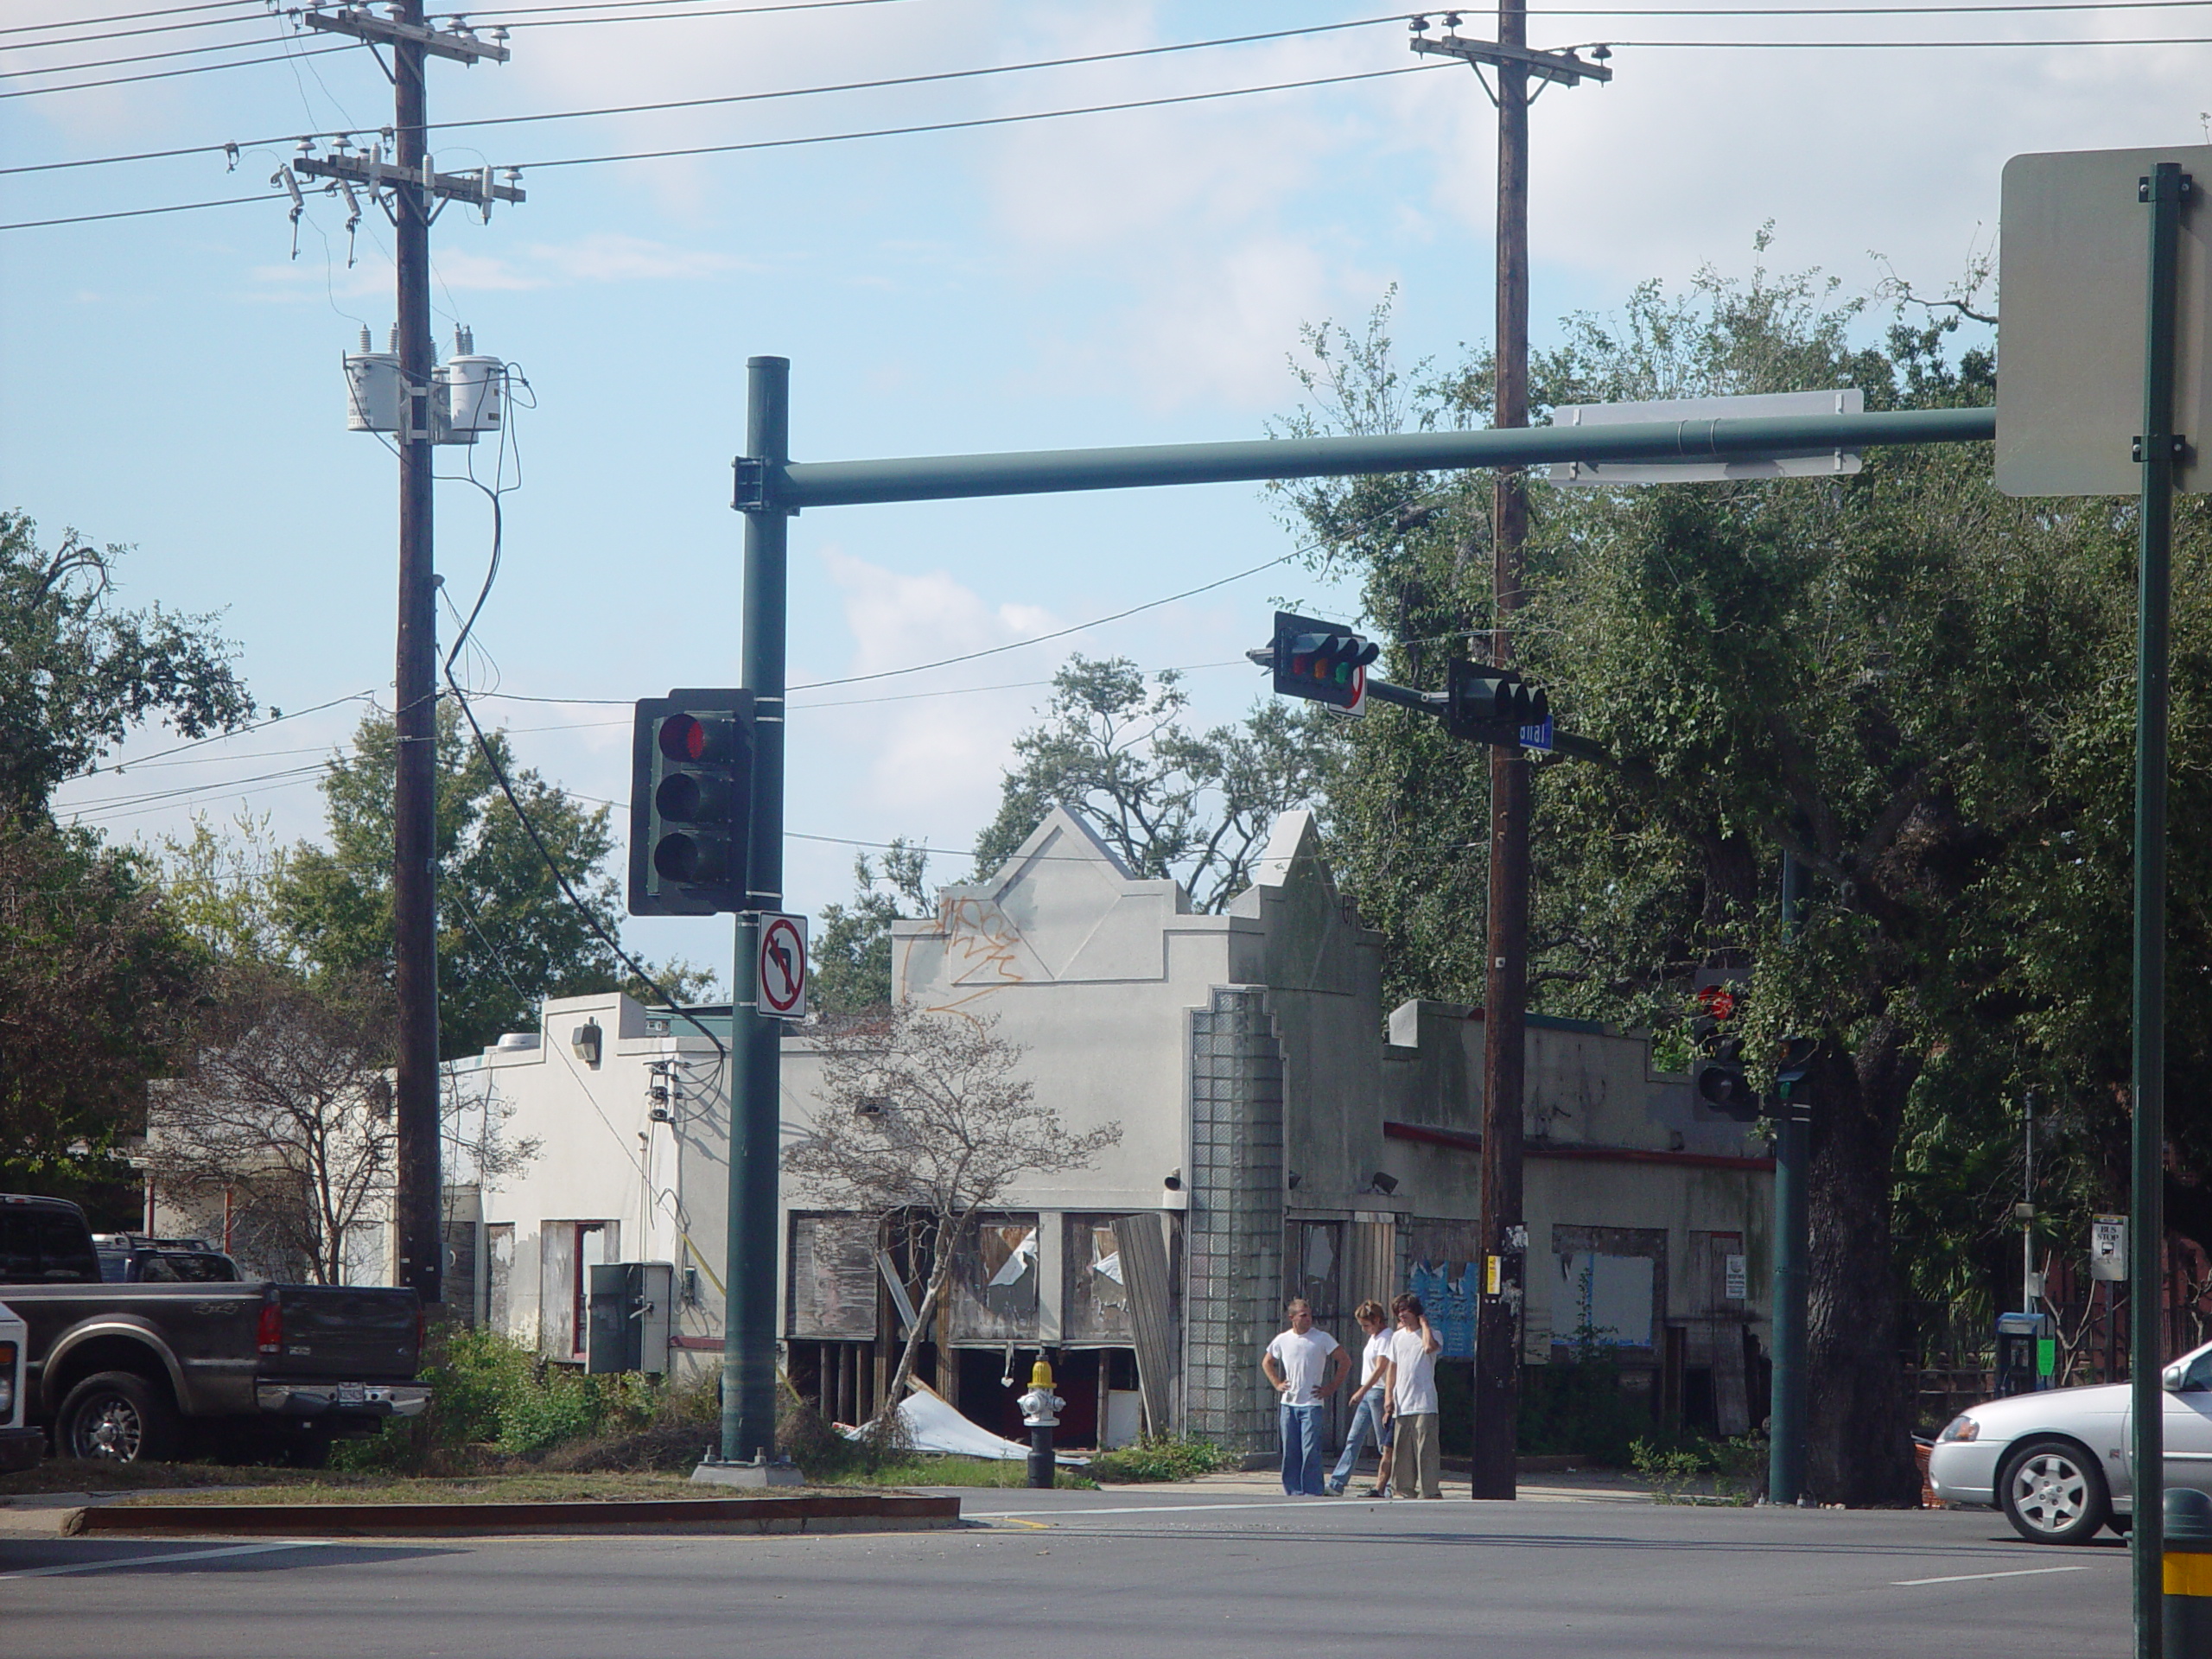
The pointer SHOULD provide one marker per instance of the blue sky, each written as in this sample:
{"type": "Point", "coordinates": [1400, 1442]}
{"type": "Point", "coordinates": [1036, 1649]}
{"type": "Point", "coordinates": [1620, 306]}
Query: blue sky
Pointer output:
{"type": "Point", "coordinates": [173, 382]}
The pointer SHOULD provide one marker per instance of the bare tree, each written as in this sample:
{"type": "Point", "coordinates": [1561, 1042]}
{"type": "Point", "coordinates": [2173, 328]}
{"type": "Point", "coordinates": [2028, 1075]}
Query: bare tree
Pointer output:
{"type": "Point", "coordinates": [927, 1116]}
{"type": "Point", "coordinates": [285, 1103]}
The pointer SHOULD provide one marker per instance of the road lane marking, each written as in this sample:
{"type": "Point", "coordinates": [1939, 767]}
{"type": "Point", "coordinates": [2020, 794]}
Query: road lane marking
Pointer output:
{"type": "Point", "coordinates": [1967, 1578]}
{"type": "Point", "coordinates": [159, 1561]}
{"type": "Point", "coordinates": [1184, 1508]}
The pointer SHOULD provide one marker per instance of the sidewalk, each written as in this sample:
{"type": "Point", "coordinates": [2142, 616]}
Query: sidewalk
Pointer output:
{"type": "Point", "coordinates": [1560, 1486]}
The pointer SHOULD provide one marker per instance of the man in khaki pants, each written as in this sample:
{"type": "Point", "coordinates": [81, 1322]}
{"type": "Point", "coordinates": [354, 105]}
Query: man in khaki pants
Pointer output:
{"type": "Point", "coordinates": [1410, 1399]}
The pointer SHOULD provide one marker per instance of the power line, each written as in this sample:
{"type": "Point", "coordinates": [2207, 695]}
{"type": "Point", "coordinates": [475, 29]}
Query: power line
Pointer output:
{"type": "Point", "coordinates": [499, 13]}
{"type": "Point", "coordinates": [126, 16]}
{"type": "Point", "coordinates": [128, 34]}
{"type": "Point", "coordinates": [167, 74]}
{"type": "Point", "coordinates": [822, 138]}
{"type": "Point", "coordinates": [922, 79]}
{"type": "Point", "coordinates": [140, 57]}
{"type": "Point", "coordinates": [982, 121]}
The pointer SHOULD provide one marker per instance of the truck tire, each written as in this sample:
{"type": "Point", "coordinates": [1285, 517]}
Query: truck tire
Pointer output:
{"type": "Point", "coordinates": [117, 1417]}
{"type": "Point", "coordinates": [2053, 1493]}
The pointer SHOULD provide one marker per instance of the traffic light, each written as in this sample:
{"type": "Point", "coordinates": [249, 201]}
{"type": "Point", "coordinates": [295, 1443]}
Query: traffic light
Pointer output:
{"type": "Point", "coordinates": [1791, 1066]}
{"type": "Point", "coordinates": [1323, 661]}
{"type": "Point", "coordinates": [1490, 705]}
{"type": "Point", "coordinates": [1716, 1074]}
{"type": "Point", "coordinates": [690, 803]}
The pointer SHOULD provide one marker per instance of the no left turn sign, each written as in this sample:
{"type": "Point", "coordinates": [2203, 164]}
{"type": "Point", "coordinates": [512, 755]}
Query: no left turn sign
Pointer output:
{"type": "Point", "coordinates": [783, 966]}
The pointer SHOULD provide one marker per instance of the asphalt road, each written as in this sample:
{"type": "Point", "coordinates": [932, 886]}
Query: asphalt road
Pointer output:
{"type": "Point", "coordinates": [1108, 1576]}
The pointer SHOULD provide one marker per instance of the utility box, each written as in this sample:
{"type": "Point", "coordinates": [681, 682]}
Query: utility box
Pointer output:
{"type": "Point", "coordinates": [2027, 1353]}
{"type": "Point", "coordinates": [630, 1303]}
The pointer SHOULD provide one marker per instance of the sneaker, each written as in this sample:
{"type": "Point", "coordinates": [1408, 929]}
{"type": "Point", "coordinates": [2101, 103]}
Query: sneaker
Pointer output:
{"type": "Point", "coordinates": [1335, 1491]}
{"type": "Point", "coordinates": [1378, 1491]}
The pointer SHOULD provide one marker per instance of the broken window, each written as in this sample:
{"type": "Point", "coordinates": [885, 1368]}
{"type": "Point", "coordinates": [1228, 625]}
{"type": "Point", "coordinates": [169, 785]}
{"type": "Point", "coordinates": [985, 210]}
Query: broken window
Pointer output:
{"type": "Point", "coordinates": [1095, 1307]}
{"type": "Point", "coordinates": [995, 1277]}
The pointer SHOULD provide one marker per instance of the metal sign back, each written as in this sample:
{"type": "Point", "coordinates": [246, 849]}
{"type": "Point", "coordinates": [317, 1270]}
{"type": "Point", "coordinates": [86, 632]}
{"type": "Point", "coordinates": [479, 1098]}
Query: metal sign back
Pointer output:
{"type": "Point", "coordinates": [2074, 254]}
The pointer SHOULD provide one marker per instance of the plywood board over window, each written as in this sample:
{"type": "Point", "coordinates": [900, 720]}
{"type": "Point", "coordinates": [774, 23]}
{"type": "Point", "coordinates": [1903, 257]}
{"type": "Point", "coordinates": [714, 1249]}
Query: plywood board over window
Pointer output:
{"type": "Point", "coordinates": [995, 1278]}
{"type": "Point", "coordinates": [832, 1294]}
{"type": "Point", "coordinates": [1095, 1306]}
{"type": "Point", "coordinates": [1609, 1287]}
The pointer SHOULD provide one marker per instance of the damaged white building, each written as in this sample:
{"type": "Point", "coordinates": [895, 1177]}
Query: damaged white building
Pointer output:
{"type": "Point", "coordinates": [1279, 1137]}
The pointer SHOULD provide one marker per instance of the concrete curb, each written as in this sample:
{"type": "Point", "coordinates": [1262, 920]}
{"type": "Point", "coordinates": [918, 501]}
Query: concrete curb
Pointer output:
{"type": "Point", "coordinates": [819, 1513]}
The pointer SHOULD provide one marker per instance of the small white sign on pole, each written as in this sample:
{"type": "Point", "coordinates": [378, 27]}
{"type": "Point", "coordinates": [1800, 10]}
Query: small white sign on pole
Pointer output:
{"type": "Point", "coordinates": [1701, 411]}
{"type": "Point", "coordinates": [782, 975]}
{"type": "Point", "coordinates": [2108, 1248]}
{"type": "Point", "coordinates": [1738, 1278]}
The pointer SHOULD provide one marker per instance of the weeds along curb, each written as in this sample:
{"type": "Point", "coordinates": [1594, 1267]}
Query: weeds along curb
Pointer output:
{"type": "Point", "coordinates": [826, 1512]}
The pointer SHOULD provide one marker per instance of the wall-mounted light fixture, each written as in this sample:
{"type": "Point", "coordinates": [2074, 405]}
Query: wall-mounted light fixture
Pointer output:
{"type": "Point", "coordinates": [1383, 1182]}
{"type": "Point", "coordinates": [1173, 1180]}
{"type": "Point", "coordinates": [585, 1041]}
{"type": "Point", "coordinates": [1293, 1178]}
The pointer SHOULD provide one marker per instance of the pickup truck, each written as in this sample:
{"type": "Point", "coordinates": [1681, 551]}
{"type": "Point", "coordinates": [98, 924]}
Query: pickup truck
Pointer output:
{"type": "Point", "coordinates": [131, 1371]}
{"type": "Point", "coordinates": [21, 1445]}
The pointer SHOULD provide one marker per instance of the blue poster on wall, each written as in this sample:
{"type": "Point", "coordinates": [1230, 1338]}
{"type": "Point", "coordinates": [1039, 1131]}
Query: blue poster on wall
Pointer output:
{"type": "Point", "coordinates": [1447, 1292]}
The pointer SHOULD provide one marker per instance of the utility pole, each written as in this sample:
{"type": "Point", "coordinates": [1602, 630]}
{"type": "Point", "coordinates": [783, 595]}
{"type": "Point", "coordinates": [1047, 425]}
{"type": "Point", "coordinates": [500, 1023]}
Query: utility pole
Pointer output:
{"type": "Point", "coordinates": [1793, 1157]}
{"type": "Point", "coordinates": [1505, 993]}
{"type": "Point", "coordinates": [411, 187]}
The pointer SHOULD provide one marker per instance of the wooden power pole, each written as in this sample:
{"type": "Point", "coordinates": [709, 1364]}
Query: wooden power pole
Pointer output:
{"type": "Point", "coordinates": [1505, 993]}
{"type": "Point", "coordinates": [411, 189]}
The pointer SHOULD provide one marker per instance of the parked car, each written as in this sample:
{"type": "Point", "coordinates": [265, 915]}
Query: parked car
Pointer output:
{"type": "Point", "coordinates": [2057, 1461]}
{"type": "Point", "coordinates": [125, 1371]}
{"type": "Point", "coordinates": [136, 1258]}
{"type": "Point", "coordinates": [20, 1444]}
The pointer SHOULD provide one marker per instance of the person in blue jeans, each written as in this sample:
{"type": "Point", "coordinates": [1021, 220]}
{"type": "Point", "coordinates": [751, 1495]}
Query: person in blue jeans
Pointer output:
{"type": "Point", "coordinates": [1368, 1401]}
{"type": "Point", "coordinates": [1306, 1367]}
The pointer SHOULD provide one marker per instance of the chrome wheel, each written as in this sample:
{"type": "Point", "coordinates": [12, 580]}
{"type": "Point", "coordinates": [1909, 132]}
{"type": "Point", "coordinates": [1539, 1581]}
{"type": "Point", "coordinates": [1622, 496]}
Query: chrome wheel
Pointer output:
{"type": "Point", "coordinates": [112, 1430]}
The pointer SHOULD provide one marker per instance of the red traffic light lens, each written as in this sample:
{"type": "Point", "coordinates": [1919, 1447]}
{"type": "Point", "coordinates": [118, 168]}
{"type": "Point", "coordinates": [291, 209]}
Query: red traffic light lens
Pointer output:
{"type": "Point", "coordinates": [684, 737]}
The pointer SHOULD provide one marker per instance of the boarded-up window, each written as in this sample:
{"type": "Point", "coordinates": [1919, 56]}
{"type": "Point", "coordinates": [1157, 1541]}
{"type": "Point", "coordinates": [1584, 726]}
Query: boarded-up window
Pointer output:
{"type": "Point", "coordinates": [1095, 1307]}
{"type": "Point", "coordinates": [500, 1248]}
{"type": "Point", "coordinates": [1611, 1287]}
{"type": "Point", "coordinates": [832, 1293]}
{"type": "Point", "coordinates": [994, 1276]}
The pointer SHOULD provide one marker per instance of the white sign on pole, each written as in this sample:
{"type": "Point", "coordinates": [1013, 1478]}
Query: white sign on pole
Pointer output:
{"type": "Point", "coordinates": [2108, 1248]}
{"type": "Point", "coordinates": [1768, 406]}
{"type": "Point", "coordinates": [782, 966]}
{"type": "Point", "coordinates": [1738, 1278]}
{"type": "Point", "coordinates": [2074, 255]}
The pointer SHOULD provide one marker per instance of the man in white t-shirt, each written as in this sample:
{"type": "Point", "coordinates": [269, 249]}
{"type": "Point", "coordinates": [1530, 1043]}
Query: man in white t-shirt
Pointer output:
{"type": "Point", "coordinates": [1305, 1366]}
{"type": "Point", "coordinates": [1412, 1399]}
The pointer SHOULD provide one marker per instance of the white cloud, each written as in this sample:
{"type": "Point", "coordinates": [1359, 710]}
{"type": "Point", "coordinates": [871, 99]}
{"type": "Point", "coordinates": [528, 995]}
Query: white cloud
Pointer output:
{"type": "Point", "coordinates": [933, 752]}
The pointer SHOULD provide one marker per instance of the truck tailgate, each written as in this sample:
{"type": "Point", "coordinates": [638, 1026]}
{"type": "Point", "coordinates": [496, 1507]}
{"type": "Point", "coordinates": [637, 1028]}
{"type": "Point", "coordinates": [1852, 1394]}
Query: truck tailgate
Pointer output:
{"type": "Point", "coordinates": [345, 1333]}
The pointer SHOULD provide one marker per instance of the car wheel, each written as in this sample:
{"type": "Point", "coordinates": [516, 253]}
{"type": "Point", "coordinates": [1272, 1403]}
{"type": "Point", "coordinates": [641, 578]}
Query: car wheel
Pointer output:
{"type": "Point", "coordinates": [118, 1417]}
{"type": "Point", "coordinates": [2054, 1493]}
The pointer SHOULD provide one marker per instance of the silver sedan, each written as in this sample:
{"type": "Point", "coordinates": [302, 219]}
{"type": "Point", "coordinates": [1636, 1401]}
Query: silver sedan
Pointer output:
{"type": "Point", "coordinates": [2057, 1461]}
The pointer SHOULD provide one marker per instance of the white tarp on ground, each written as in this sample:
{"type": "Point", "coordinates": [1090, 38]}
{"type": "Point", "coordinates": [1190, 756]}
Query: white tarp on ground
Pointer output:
{"type": "Point", "coordinates": [932, 1425]}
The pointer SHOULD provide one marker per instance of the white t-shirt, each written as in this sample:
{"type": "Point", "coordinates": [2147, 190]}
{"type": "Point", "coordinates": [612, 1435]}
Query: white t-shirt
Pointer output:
{"type": "Point", "coordinates": [1304, 1361]}
{"type": "Point", "coordinates": [1371, 1357]}
{"type": "Point", "coordinates": [1416, 1379]}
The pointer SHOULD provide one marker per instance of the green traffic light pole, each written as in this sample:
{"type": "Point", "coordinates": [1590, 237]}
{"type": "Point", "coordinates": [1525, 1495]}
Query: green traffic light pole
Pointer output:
{"type": "Point", "coordinates": [771, 487]}
{"type": "Point", "coordinates": [2156, 447]}
{"type": "Point", "coordinates": [748, 1427]}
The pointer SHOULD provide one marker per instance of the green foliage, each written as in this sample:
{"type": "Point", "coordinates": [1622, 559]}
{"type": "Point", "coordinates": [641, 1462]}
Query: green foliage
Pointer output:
{"type": "Point", "coordinates": [1695, 1469]}
{"type": "Point", "coordinates": [850, 967]}
{"type": "Point", "coordinates": [490, 1395]}
{"type": "Point", "coordinates": [78, 671]}
{"type": "Point", "coordinates": [1170, 1458]}
{"type": "Point", "coordinates": [1195, 806]}
{"type": "Point", "coordinates": [98, 988]}
{"type": "Point", "coordinates": [1578, 1406]}
{"type": "Point", "coordinates": [506, 936]}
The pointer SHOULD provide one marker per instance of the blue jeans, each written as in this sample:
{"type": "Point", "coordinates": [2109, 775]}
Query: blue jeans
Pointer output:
{"type": "Point", "coordinates": [1301, 1450]}
{"type": "Point", "coordinates": [1366, 1419]}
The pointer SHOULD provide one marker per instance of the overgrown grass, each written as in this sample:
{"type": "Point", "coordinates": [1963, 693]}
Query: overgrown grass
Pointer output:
{"type": "Point", "coordinates": [494, 1403]}
{"type": "Point", "coordinates": [1159, 1459]}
